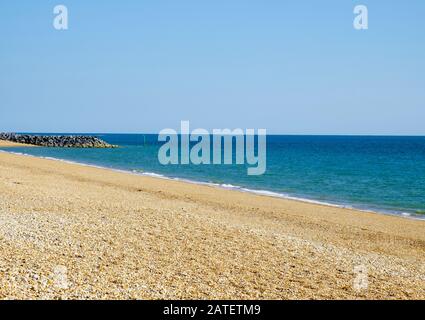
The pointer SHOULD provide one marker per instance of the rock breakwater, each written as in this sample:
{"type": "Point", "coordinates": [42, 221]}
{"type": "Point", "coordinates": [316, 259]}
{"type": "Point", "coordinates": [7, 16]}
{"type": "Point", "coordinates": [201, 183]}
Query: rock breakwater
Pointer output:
{"type": "Point", "coordinates": [63, 141]}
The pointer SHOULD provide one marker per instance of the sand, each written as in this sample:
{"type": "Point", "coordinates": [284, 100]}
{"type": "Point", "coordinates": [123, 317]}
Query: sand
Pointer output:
{"type": "Point", "coordinates": [75, 232]}
{"type": "Point", "coordinates": [4, 143]}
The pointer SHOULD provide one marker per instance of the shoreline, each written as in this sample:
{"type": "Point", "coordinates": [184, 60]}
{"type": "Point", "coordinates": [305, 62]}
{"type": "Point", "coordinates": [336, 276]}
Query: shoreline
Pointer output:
{"type": "Point", "coordinates": [264, 193]}
{"type": "Point", "coordinates": [121, 235]}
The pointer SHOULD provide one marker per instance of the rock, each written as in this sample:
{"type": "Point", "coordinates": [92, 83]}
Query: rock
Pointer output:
{"type": "Point", "coordinates": [57, 141]}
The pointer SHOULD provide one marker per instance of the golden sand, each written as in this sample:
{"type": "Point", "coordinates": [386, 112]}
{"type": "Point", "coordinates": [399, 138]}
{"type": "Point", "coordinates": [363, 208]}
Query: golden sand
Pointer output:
{"type": "Point", "coordinates": [70, 231]}
{"type": "Point", "coordinates": [4, 143]}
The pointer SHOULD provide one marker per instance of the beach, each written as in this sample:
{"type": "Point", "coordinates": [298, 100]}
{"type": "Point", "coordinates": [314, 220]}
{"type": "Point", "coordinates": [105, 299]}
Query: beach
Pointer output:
{"type": "Point", "coordinates": [69, 231]}
{"type": "Point", "coordinates": [4, 143]}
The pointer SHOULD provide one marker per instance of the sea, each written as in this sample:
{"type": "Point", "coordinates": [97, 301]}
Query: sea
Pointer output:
{"type": "Point", "coordinates": [384, 174]}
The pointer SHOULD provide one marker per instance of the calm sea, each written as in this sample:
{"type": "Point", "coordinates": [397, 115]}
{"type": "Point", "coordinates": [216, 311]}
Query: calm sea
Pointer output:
{"type": "Point", "coordinates": [384, 174]}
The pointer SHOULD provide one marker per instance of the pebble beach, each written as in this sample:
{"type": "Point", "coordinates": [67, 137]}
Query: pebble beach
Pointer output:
{"type": "Point", "coordinates": [69, 231]}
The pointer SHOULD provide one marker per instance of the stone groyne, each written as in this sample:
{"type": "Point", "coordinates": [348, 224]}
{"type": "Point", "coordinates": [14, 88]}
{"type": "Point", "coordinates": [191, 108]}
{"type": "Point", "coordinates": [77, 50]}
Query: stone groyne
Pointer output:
{"type": "Point", "coordinates": [64, 141]}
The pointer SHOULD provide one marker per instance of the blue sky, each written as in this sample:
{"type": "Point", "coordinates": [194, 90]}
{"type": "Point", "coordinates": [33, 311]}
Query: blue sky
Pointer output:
{"type": "Point", "coordinates": [292, 67]}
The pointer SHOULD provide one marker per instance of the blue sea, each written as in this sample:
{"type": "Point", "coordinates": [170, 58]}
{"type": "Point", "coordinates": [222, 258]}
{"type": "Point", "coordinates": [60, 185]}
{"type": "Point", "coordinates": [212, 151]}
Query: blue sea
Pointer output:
{"type": "Point", "coordinates": [377, 173]}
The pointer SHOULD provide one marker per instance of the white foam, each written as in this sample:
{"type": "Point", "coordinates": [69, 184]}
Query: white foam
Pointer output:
{"type": "Point", "coordinates": [149, 174]}
{"type": "Point", "coordinates": [229, 186]}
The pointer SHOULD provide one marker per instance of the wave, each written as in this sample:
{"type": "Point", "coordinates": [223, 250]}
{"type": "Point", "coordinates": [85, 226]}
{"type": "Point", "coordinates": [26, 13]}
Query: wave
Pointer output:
{"type": "Point", "coordinates": [418, 215]}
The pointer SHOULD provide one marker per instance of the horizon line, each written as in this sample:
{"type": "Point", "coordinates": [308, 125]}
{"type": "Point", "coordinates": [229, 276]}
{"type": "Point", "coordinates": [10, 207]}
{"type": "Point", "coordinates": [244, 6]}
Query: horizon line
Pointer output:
{"type": "Point", "coordinates": [269, 134]}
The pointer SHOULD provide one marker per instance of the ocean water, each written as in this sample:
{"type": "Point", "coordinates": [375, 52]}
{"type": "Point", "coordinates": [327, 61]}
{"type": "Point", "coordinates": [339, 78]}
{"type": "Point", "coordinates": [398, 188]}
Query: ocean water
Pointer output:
{"type": "Point", "coordinates": [382, 174]}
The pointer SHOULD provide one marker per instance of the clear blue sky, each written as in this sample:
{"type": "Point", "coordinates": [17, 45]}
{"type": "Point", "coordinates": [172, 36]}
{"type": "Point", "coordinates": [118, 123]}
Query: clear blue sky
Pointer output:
{"type": "Point", "coordinates": [296, 67]}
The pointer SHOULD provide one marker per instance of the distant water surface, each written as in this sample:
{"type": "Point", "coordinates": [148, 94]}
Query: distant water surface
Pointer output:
{"type": "Point", "coordinates": [384, 174]}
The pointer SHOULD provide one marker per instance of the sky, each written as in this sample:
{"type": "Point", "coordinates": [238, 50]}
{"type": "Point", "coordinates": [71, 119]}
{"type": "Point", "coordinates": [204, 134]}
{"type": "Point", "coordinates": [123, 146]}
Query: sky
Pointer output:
{"type": "Point", "coordinates": [291, 67]}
